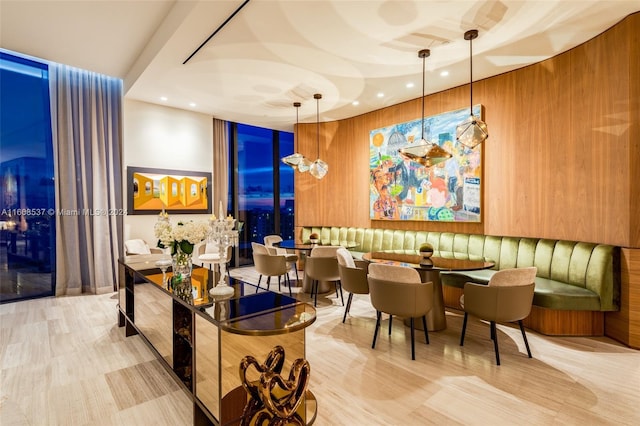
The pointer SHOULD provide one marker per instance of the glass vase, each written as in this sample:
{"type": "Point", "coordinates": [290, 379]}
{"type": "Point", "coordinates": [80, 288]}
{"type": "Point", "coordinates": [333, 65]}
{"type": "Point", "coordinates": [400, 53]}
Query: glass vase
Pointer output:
{"type": "Point", "coordinates": [182, 264]}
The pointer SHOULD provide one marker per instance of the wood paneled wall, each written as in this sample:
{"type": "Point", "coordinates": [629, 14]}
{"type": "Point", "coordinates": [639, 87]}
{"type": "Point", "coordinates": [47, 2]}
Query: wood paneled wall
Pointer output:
{"type": "Point", "coordinates": [633, 118]}
{"type": "Point", "coordinates": [625, 324]}
{"type": "Point", "coordinates": [562, 160]}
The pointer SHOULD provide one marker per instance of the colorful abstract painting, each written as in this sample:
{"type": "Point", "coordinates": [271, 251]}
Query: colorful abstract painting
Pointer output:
{"type": "Point", "coordinates": [401, 189]}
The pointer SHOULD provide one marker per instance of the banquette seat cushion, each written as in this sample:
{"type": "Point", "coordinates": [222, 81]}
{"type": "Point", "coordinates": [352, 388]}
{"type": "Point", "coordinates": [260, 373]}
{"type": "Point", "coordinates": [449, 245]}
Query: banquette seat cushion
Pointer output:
{"type": "Point", "coordinates": [571, 275]}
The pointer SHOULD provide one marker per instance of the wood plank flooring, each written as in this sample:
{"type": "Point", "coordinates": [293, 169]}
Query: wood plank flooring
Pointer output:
{"type": "Point", "coordinates": [64, 361]}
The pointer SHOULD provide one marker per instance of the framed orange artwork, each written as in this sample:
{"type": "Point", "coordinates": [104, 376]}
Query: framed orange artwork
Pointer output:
{"type": "Point", "coordinates": [175, 191]}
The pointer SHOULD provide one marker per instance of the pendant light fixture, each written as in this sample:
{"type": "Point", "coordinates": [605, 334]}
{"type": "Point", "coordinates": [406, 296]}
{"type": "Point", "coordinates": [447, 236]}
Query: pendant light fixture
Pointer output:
{"type": "Point", "coordinates": [296, 160]}
{"type": "Point", "coordinates": [472, 131]}
{"type": "Point", "coordinates": [424, 152]}
{"type": "Point", "coordinates": [318, 168]}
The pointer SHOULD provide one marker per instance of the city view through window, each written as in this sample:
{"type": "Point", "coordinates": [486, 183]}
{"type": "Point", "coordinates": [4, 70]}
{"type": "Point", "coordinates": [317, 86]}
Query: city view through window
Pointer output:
{"type": "Point", "coordinates": [263, 182]}
{"type": "Point", "coordinates": [27, 230]}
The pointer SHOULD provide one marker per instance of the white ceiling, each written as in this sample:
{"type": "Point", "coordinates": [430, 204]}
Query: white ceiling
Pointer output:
{"type": "Point", "coordinates": [275, 52]}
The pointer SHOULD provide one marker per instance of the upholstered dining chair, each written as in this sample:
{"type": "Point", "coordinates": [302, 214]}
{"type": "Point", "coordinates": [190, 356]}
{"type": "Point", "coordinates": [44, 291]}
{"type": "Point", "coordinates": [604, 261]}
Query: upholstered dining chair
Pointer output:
{"type": "Point", "coordinates": [507, 298]}
{"type": "Point", "coordinates": [210, 248]}
{"type": "Point", "coordinates": [322, 265]}
{"type": "Point", "coordinates": [398, 290]}
{"type": "Point", "coordinates": [292, 258]}
{"type": "Point", "coordinates": [352, 278]}
{"type": "Point", "coordinates": [270, 265]}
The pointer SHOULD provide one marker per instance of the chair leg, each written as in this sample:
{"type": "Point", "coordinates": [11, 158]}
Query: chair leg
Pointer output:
{"type": "Point", "coordinates": [295, 268]}
{"type": "Point", "coordinates": [524, 336]}
{"type": "Point", "coordinates": [426, 332]}
{"type": "Point", "coordinates": [315, 292]}
{"type": "Point", "coordinates": [464, 328]}
{"type": "Point", "coordinates": [279, 288]}
{"type": "Point", "coordinates": [346, 310]}
{"type": "Point", "coordinates": [494, 336]}
{"type": "Point", "coordinates": [259, 279]}
{"type": "Point", "coordinates": [339, 283]}
{"type": "Point", "coordinates": [413, 341]}
{"type": "Point", "coordinates": [375, 331]}
{"type": "Point", "coordinates": [288, 280]}
{"type": "Point", "coordinates": [390, 322]}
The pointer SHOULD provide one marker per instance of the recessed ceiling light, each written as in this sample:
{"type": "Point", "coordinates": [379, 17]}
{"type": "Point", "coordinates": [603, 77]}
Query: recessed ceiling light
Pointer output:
{"type": "Point", "coordinates": [192, 104]}
{"type": "Point", "coordinates": [410, 85]}
{"type": "Point", "coordinates": [380, 94]}
{"type": "Point", "coordinates": [444, 73]}
{"type": "Point", "coordinates": [164, 98]}
{"type": "Point", "coordinates": [355, 103]}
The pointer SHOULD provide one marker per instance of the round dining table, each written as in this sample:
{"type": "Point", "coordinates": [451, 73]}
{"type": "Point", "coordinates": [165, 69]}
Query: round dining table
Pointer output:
{"type": "Point", "coordinates": [429, 270]}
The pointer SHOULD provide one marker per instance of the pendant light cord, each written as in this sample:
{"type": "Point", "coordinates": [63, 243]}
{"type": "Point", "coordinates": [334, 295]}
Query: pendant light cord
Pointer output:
{"type": "Point", "coordinates": [424, 59]}
{"type": "Point", "coordinates": [295, 136]}
{"type": "Point", "coordinates": [471, 76]}
{"type": "Point", "coordinates": [424, 54]}
{"type": "Point", "coordinates": [318, 126]}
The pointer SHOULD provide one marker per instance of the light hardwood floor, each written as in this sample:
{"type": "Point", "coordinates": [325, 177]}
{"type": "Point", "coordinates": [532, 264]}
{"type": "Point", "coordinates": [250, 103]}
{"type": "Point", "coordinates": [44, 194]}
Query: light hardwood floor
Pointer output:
{"type": "Point", "coordinates": [64, 361]}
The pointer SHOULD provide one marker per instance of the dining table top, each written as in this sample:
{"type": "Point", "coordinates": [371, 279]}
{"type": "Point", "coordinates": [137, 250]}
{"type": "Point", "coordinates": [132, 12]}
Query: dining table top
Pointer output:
{"type": "Point", "coordinates": [296, 245]}
{"type": "Point", "coordinates": [441, 262]}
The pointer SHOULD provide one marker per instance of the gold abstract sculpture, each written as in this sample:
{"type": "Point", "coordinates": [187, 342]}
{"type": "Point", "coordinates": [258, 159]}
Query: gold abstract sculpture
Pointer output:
{"type": "Point", "coordinates": [279, 396]}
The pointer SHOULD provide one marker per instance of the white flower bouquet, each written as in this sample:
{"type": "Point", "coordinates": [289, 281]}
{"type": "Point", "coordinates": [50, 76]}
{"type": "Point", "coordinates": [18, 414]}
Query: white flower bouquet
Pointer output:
{"type": "Point", "coordinates": [183, 236]}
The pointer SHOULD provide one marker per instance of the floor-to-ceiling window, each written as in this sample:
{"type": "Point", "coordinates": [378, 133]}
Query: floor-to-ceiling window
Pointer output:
{"type": "Point", "coordinates": [261, 186]}
{"type": "Point", "coordinates": [286, 193]}
{"type": "Point", "coordinates": [27, 226]}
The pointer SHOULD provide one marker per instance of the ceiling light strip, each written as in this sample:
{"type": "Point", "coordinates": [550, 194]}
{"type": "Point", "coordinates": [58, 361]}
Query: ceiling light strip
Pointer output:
{"type": "Point", "coordinates": [216, 31]}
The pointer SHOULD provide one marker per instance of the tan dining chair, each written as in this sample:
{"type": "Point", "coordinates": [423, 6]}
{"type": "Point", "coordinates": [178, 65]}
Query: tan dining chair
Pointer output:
{"type": "Point", "coordinates": [398, 290]}
{"type": "Point", "coordinates": [270, 265]}
{"type": "Point", "coordinates": [507, 298]}
{"type": "Point", "coordinates": [352, 278]}
{"type": "Point", "coordinates": [292, 258]}
{"type": "Point", "coordinates": [322, 265]}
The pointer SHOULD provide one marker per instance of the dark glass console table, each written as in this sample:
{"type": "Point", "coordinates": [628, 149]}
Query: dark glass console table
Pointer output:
{"type": "Point", "coordinates": [202, 341]}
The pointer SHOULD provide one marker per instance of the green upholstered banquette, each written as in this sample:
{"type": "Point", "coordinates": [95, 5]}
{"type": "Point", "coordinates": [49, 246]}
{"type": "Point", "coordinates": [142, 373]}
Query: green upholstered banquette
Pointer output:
{"type": "Point", "coordinates": [571, 275]}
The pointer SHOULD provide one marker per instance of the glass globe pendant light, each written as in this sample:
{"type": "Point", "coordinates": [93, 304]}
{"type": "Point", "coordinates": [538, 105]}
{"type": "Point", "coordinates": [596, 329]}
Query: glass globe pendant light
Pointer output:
{"type": "Point", "coordinates": [296, 160]}
{"type": "Point", "coordinates": [472, 131]}
{"type": "Point", "coordinates": [318, 168]}
{"type": "Point", "coordinates": [424, 152]}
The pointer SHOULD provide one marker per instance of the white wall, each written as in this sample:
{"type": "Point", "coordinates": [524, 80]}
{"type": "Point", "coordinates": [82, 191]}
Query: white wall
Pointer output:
{"type": "Point", "coordinates": [165, 138]}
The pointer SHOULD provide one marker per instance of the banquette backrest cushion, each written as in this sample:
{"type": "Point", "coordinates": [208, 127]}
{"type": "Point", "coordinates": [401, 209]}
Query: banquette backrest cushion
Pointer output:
{"type": "Point", "coordinates": [582, 265]}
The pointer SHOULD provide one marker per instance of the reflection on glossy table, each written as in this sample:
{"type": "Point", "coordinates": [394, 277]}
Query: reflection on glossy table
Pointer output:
{"type": "Point", "coordinates": [293, 245]}
{"type": "Point", "coordinates": [245, 312]}
{"type": "Point", "coordinates": [436, 319]}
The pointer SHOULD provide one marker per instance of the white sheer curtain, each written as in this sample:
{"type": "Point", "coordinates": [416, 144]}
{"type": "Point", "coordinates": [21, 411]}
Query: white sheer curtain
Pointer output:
{"type": "Point", "coordinates": [86, 117]}
{"type": "Point", "coordinates": [220, 164]}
